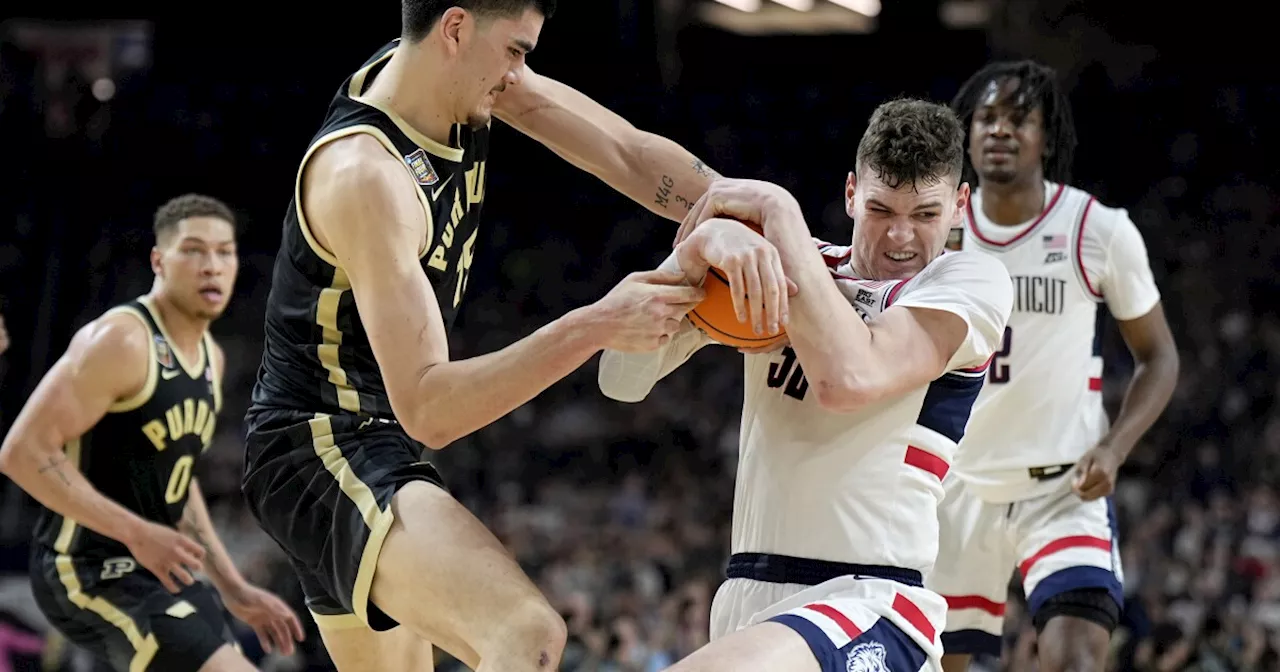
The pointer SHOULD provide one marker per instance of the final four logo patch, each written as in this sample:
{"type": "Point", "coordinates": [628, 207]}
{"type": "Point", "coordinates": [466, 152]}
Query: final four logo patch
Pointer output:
{"type": "Point", "coordinates": [421, 168]}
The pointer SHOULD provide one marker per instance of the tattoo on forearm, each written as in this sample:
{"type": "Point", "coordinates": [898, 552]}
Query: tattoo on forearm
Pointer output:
{"type": "Point", "coordinates": [703, 169]}
{"type": "Point", "coordinates": [55, 465]}
{"type": "Point", "coordinates": [662, 197]}
{"type": "Point", "coordinates": [681, 200]}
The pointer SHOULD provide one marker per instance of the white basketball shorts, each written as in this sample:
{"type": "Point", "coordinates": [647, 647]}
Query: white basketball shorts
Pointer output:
{"type": "Point", "coordinates": [849, 623]}
{"type": "Point", "coordinates": [1056, 542]}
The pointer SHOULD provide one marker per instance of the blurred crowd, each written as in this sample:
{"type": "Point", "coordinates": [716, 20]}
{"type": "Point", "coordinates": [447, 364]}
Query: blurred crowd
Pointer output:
{"type": "Point", "coordinates": [621, 513]}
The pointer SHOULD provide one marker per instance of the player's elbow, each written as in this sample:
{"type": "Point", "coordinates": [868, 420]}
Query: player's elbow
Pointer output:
{"type": "Point", "coordinates": [7, 459]}
{"type": "Point", "coordinates": [843, 391]}
{"type": "Point", "coordinates": [429, 426]}
{"type": "Point", "coordinates": [15, 457]}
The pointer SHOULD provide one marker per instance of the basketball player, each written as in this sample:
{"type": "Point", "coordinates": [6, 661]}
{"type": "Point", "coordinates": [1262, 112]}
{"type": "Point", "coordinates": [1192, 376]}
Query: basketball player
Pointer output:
{"type": "Point", "coordinates": [848, 431]}
{"type": "Point", "coordinates": [108, 443]}
{"type": "Point", "coordinates": [356, 380]}
{"type": "Point", "coordinates": [1032, 477]}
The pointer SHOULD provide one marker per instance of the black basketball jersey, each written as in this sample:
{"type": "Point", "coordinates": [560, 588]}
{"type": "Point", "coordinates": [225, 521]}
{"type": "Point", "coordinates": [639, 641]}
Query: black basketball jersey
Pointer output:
{"type": "Point", "coordinates": [317, 356]}
{"type": "Point", "coordinates": [143, 452]}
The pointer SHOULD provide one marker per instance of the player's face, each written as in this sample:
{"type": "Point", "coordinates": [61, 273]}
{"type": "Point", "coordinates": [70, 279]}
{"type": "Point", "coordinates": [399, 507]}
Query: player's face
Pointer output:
{"type": "Point", "coordinates": [1006, 136]}
{"type": "Point", "coordinates": [198, 263]}
{"type": "Point", "coordinates": [495, 60]}
{"type": "Point", "coordinates": [896, 232]}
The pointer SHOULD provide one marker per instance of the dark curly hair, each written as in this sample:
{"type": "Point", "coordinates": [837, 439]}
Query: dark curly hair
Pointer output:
{"type": "Point", "coordinates": [912, 142]}
{"type": "Point", "coordinates": [1038, 86]}
{"type": "Point", "coordinates": [189, 205]}
{"type": "Point", "coordinates": [418, 16]}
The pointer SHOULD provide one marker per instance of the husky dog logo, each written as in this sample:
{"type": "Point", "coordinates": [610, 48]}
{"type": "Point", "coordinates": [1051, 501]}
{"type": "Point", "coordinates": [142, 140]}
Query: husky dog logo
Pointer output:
{"type": "Point", "coordinates": [868, 657]}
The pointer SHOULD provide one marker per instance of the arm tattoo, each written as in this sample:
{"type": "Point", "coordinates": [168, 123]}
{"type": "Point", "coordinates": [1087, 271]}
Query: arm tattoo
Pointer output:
{"type": "Point", "coordinates": [55, 465]}
{"type": "Point", "coordinates": [703, 169]}
{"type": "Point", "coordinates": [662, 196]}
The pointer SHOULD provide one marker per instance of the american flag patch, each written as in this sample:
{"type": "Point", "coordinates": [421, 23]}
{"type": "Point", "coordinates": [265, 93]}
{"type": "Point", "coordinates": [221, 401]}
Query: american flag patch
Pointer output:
{"type": "Point", "coordinates": [1055, 241]}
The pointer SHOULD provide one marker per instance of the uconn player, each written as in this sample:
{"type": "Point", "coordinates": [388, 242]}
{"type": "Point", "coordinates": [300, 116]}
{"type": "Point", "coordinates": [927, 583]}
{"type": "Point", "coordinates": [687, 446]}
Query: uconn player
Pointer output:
{"type": "Point", "coordinates": [848, 431]}
{"type": "Point", "coordinates": [1032, 477]}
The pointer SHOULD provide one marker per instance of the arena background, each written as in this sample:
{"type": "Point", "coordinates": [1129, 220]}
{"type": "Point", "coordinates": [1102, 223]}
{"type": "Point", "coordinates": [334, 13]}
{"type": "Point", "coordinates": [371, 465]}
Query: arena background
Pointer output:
{"type": "Point", "coordinates": [620, 512]}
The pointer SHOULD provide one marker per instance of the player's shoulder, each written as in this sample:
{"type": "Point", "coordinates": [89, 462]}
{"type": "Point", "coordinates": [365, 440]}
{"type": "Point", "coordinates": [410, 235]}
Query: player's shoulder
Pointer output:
{"type": "Point", "coordinates": [119, 338]}
{"type": "Point", "coordinates": [963, 265]}
{"type": "Point", "coordinates": [354, 182]}
{"type": "Point", "coordinates": [1101, 218]}
{"type": "Point", "coordinates": [356, 160]}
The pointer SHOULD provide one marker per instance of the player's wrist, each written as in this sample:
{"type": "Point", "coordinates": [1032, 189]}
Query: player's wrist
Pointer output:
{"type": "Point", "coordinates": [586, 327]}
{"type": "Point", "coordinates": [131, 529]}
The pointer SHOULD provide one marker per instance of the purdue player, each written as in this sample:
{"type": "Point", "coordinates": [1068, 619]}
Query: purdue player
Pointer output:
{"type": "Point", "coordinates": [108, 443]}
{"type": "Point", "coordinates": [356, 380]}
{"type": "Point", "coordinates": [1032, 477]}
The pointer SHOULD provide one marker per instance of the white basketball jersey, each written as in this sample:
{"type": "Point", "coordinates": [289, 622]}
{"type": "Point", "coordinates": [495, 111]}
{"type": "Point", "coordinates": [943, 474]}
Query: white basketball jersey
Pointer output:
{"type": "Point", "coordinates": [1041, 408]}
{"type": "Point", "coordinates": [861, 487]}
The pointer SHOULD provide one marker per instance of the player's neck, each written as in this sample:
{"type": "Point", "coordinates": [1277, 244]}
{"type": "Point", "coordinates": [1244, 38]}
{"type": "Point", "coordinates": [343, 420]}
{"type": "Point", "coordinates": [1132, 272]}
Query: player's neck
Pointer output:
{"type": "Point", "coordinates": [419, 99]}
{"type": "Point", "coordinates": [185, 331]}
{"type": "Point", "coordinates": [1013, 204]}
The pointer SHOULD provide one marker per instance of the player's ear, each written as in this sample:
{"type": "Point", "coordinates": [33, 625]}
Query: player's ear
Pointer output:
{"type": "Point", "coordinates": [962, 197]}
{"type": "Point", "coordinates": [452, 26]}
{"type": "Point", "coordinates": [156, 266]}
{"type": "Point", "coordinates": [850, 185]}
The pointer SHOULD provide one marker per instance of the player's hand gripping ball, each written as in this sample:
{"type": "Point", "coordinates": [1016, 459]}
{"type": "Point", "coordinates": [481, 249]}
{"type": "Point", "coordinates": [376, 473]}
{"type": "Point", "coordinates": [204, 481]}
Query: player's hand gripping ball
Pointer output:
{"type": "Point", "coordinates": [716, 317]}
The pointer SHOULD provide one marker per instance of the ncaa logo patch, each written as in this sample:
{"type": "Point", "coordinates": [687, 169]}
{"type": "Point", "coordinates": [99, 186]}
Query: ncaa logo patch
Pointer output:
{"type": "Point", "coordinates": [867, 657]}
{"type": "Point", "coordinates": [421, 168]}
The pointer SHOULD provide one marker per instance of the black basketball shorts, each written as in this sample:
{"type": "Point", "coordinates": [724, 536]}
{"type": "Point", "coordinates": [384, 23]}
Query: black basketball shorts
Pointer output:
{"type": "Point", "coordinates": [121, 613]}
{"type": "Point", "coordinates": [321, 486]}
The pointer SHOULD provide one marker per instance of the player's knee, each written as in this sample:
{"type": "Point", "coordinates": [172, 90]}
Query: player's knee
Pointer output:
{"type": "Point", "coordinates": [1094, 606]}
{"type": "Point", "coordinates": [534, 632]}
{"type": "Point", "coordinates": [1074, 629]}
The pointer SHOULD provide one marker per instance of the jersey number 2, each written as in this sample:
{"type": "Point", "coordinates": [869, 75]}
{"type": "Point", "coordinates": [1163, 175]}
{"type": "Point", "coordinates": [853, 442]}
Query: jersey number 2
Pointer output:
{"type": "Point", "coordinates": [1000, 369]}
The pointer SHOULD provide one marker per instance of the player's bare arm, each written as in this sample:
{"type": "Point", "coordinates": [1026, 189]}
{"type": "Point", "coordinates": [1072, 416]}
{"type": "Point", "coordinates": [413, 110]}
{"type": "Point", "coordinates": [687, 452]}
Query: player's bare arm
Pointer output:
{"type": "Point", "coordinates": [105, 363]}
{"type": "Point", "coordinates": [1155, 375]}
{"type": "Point", "coordinates": [275, 624]}
{"type": "Point", "coordinates": [649, 169]}
{"type": "Point", "coordinates": [363, 208]}
{"type": "Point", "coordinates": [849, 363]}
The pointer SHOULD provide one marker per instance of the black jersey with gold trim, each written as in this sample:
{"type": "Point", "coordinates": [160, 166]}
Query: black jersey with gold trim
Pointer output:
{"type": "Point", "coordinates": [142, 454]}
{"type": "Point", "coordinates": [317, 356]}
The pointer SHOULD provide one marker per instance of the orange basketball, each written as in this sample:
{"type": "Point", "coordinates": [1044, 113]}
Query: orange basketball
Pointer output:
{"type": "Point", "coordinates": [715, 316]}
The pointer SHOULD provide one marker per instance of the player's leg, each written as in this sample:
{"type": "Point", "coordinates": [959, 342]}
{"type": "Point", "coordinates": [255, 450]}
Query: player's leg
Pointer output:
{"type": "Point", "coordinates": [1070, 568]}
{"type": "Point", "coordinates": [448, 578]}
{"type": "Point", "coordinates": [371, 527]}
{"type": "Point", "coordinates": [831, 635]}
{"type": "Point", "coordinates": [225, 659]}
{"type": "Point", "coordinates": [971, 573]}
{"type": "Point", "coordinates": [129, 620]}
{"type": "Point", "coordinates": [353, 646]}
{"type": "Point", "coordinates": [768, 646]}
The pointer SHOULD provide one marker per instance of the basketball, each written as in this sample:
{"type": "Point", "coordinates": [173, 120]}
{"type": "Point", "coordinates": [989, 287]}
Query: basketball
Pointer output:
{"type": "Point", "coordinates": [715, 316]}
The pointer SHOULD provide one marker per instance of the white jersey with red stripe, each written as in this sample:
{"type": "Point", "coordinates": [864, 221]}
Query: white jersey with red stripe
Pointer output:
{"type": "Point", "coordinates": [861, 487]}
{"type": "Point", "coordinates": [1041, 408]}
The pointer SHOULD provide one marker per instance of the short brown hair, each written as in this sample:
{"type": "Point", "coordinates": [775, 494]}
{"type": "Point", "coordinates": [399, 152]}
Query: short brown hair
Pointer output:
{"type": "Point", "coordinates": [418, 17]}
{"type": "Point", "coordinates": [911, 141]}
{"type": "Point", "coordinates": [190, 205]}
